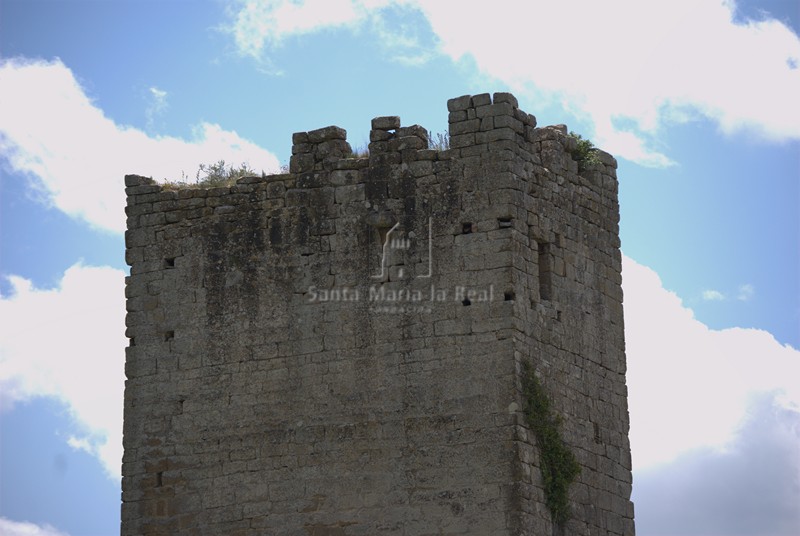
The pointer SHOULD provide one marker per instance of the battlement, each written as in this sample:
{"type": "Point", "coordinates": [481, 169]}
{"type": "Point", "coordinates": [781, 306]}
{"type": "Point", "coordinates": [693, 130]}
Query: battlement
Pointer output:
{"type": "Point", "coordinates": [341, 349]}
{"type": "Point", "coordinates": [478, 126]}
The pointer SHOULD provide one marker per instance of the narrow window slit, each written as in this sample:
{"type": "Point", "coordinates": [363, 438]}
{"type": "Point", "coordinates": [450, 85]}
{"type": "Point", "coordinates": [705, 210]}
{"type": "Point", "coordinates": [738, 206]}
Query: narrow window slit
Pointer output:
{"type": "Point", "coordinates": [169, 335]}
{"type": "Point", "coordinates": [545, 271]}
{"type": "Point", "coordinates": [159, 479]}
{"type": "Point", "coordinates": [466, 228]}
{"type": "Point", "coordinates": [466, 302]}
{"type": "Point", "coordinates": [508, 295]}
{"type": "Point", "coordinates": [169, 262]}
{"type": "Point", "coordinates": [505, 222]}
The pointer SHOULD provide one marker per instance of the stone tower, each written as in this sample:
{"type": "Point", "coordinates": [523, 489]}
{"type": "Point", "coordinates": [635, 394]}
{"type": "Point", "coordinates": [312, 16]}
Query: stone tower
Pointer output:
{"type": "Point", "coordinates": [350, 348]}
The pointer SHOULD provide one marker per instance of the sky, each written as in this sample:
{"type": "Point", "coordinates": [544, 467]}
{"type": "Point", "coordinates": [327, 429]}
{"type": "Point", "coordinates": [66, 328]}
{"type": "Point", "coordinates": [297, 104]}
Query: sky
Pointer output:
{"type": "Point", "coordinates": [697, 99]}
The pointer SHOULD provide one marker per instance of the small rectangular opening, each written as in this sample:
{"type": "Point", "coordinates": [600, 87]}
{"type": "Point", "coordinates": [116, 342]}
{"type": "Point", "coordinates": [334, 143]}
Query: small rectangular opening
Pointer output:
{"type": "Point", "coordinates": [169, 335]}
{"type": "Point", "coordinates": [545, 271]}
{"type": "Point", "coordinates": [505, 222]}
{"type": "Point", "coordinates": [159, 479]}
{"type": "Point", "coordinates": [169, 262]}
{"type": "Point", "coordinates": [466, 228]}
{"type": "Point", "coordinates": [508, 295]}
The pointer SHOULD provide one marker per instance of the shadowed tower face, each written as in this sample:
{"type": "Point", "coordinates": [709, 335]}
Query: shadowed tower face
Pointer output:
{"type": "Point", "coordinates": [366, 345]}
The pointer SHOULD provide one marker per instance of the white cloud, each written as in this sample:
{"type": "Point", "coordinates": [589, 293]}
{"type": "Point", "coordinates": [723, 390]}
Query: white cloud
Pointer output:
{"type": "Point", "coordinates": [260, 26]}
{"type": "Point", "coordinates": [21, 528]}
{"type": "Point", "coordinates": [690, 385]}
{"type": "Point", "coordinates": [715, 420]}
{"type": "Point", "coordinates": [77, 157]}
{"type": "Point", "coordinates": [752, 488]}
{"type": "Point", "coordinates": [713, 295]}
{"type": "Point", "coordinates": [746, 292]}
{"type": "Point", "coordinates": [403, 39]}
{"type": "Point", "coordinates": [266, 23]}
{"type": "Point", "coordinates": [642, 64]}
{"type": "Point", "coordinates": [158, 104]}
{"type": "Point", "coordinates": [68, 343]}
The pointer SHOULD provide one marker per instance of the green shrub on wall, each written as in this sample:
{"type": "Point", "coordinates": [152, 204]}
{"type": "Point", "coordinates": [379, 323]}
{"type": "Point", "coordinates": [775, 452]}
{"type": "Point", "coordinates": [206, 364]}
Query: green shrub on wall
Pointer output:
{"type": "Point", "coordinates": [557, 463]}
{"type": "Point", "coordinates": [585, 152]}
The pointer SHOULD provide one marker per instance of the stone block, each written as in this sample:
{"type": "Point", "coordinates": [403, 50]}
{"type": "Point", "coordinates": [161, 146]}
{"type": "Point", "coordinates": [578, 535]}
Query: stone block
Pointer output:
{"type": "Point", "coordinates": [496, 134]}
{"type": "Point", "coordinates": [138, 180]}
{"type": "Point", "coordinates": [413, 130]}
{"type": "Point", "coordinates": [143, 189]}
{"type": "Point", "coordinates": [302, 148]}
{"type": "Point", "coordinates": [389, 122]}
{"type": "Point", "coordinates": [502, 108]}
{"type": "Point", "coordinates": [507, 98]}
{"type": "Point", "coordinates": [327, 133]}
{"type": "Point", "coordinates": [459, 103]}
{"type": "Point", "coordinates": [407, 142]}
{"type": "Point", "coordinates": [455, 117]}
{"type": "Point", "coordinates": [503, 121]}
{"type": "Point", "coordinates": [301, 163]}
{"type": "Point", "coordinates": [349, 193]}
{"type": "Point", "coordinates": [484, 99]}
{"type": "Point", "coordinates": [380, 135]}
{"type": "Point", "coordinates": [458, 141]}
{"type": "Point", "coordinates": [465, 127]}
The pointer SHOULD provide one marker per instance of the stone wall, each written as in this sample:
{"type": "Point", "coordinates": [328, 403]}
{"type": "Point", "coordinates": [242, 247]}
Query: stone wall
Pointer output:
{"type": "Point", "coordinates": [339, 350]}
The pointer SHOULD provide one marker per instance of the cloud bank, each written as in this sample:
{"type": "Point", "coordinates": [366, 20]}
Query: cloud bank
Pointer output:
{"type": "Point", "coordinates": [751, 488]}
{"type": "Point", "coordinates": [690, 386]}
{"type": "Point", "coordinates": [627, 67]}
{"type": "Point", "coordinates": [77, 157]}
{"type": "Point", "coordinates": [17, 528]}
{"type": "Point", "coordinates": [715, 420]}
{"type": "Point", "coordinates": [68, 343]}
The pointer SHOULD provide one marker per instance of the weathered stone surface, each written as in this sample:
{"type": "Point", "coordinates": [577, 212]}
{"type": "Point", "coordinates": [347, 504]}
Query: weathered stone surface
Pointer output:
{"type": "Point", "coordinates": [497, 98]}
{"type": "Point", "coordinates": [137, 180]}
{"type": "Point", "coordinates": [338, 350]}
{"type": "Point", "coordinates": [380, 135]}
{"type": "Point", "coordinates": [459, 103]}
{"type": "Point", "coordinates": [484, 99]}
{"type": "Point", "coordinates": [413, 130]}
{"type": "Point", "coordinates": [389, 122]}
{"type": "Point", "coordinates": [327, 133]}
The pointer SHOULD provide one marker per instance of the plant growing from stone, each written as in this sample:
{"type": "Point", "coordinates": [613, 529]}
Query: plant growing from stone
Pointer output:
{"type": "Point", "coordinates": [439, 141]}
{"type": "Point", "coordinates": [218, 174]}
{"type": "Point", "coordinates": [361, 151]}
{"type": "Point", "coordinates": [585, 153]}
{"type": "Point", "coordinates": [214, 175]}
{"type": "Point", "coordinates": [557, 462]}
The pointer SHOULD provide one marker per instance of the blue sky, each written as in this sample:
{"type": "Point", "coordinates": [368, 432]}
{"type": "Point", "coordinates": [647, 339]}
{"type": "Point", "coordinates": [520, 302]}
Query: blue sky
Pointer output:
{"type": "Point", "coordinates": [698, 100]}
